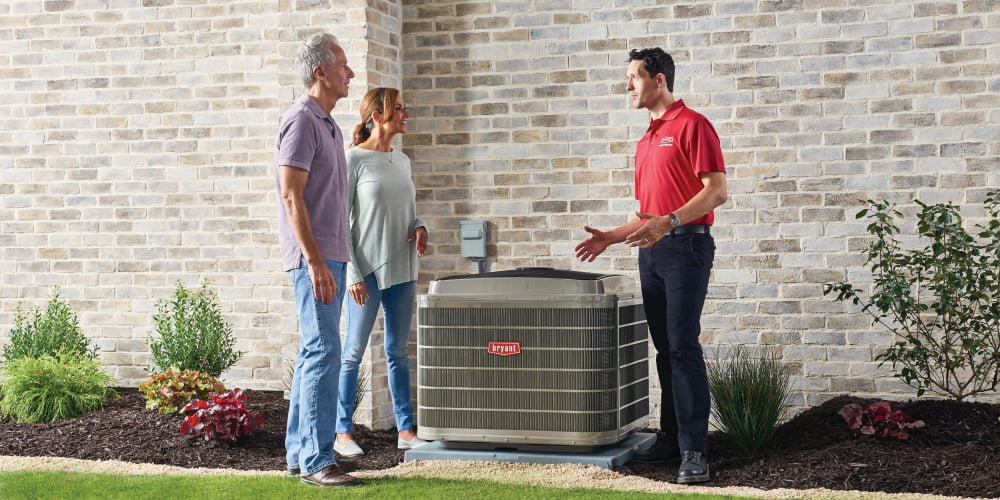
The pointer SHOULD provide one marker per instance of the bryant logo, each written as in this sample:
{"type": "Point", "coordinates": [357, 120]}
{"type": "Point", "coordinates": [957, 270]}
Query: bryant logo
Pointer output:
{"type": "Point", "coordinates": [504, 348]}
{"type": "Point", "coordinates": [666, 141]}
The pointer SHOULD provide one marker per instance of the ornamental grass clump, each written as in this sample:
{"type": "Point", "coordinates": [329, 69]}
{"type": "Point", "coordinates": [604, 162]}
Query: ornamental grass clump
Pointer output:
{"type": "Point", "coordinates": [36, 333]}
{"type": "Point", "coordinates": [361, 386]}
{"type": "Point", "coordinates": [942, 300]}
{"type": "Point", "coordinates": [192, 334]}
{"type": "Point", "coordinates": [750, 391]}
{"type": "Point", "coordinates": [53, 387]}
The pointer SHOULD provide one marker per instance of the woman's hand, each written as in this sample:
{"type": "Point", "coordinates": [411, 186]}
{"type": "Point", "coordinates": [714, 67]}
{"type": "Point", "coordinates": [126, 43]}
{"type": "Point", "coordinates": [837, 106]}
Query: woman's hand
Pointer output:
{"type": "Point", "coordinates": [358, 292]}
{"type": "Point", "coordinates": [420, 236]}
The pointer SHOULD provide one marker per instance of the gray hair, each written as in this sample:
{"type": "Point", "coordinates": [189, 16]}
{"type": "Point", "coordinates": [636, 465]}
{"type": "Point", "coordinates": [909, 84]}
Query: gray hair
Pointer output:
{"type": "Point", "coordinates": [315, 51]}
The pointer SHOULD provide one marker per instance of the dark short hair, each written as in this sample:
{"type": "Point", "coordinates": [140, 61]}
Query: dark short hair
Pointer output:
{"type": "Point", "coordinates": [656, 61]}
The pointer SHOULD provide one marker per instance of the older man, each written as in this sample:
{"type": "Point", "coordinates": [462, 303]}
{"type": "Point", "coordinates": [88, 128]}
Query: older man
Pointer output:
{"type": "Point", "coordinates": [312, 232]}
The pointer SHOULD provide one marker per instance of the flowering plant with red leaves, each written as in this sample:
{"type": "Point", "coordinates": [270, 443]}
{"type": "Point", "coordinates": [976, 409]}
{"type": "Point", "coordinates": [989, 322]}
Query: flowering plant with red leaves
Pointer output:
{"type": "Point", "coordinates": [222, 417]}
{"type": "Point", "coordinates": [878, 418]}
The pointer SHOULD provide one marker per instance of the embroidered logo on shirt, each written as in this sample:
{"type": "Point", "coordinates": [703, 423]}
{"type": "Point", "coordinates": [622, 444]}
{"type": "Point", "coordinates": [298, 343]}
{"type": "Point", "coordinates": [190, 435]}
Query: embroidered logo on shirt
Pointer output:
{"type": "Point", "coordinates": [666, 141]}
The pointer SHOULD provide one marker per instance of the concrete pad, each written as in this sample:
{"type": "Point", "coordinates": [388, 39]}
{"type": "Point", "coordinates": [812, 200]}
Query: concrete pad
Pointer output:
{"type": "Point", "coordinates": [608, 457]}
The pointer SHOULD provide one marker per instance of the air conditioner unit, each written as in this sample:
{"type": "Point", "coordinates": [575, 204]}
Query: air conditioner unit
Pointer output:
{"type": "Point", "coordinates": [530, 359]}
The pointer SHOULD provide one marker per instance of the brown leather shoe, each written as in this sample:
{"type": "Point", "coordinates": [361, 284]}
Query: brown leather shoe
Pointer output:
{"type": "Point", "coordinates": [330, 476]}
{"type": "Point", "coordinates": [347, 465]}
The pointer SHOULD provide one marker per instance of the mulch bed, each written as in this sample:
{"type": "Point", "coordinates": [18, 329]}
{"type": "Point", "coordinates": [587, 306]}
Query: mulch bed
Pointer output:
{"type": "Point", "coordinates": [955, 454]}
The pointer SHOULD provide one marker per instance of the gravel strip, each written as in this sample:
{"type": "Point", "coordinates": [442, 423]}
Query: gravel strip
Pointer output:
{"type": "Point", "coordinates": [551, 475]}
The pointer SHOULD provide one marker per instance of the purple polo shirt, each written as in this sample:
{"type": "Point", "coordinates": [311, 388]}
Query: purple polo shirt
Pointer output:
{"type": "Point", "coordinates": [309, 139]}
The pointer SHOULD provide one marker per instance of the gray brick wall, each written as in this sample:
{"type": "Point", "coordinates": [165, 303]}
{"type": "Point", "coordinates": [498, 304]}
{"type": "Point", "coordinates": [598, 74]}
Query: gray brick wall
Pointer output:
{"type": "Point", "coordinates": [818, 104]}
{"type": "Point", "coordinates": [136, 136]}
{"type": "Point", "coordinates": [135, 151]}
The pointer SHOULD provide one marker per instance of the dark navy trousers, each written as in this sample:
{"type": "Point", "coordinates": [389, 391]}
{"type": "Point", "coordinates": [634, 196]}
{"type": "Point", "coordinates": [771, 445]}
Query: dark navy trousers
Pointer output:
{"type": "Point", "coordinates": [674, 275]}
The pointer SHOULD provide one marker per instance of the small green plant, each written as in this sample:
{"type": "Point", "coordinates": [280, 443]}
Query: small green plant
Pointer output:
{"type": "Point", "coordinates": [192, 333]}
{"type": "Point", "coordinates": [168, 391]}
{"type": "Point", "coordinates": [36, 334]}
{"type": "Point", "coordinates": [942, 301]}
{"type": "Point", "coordinates": [750, 391]}
{"type": "Point", "coordinates": [53, 387]}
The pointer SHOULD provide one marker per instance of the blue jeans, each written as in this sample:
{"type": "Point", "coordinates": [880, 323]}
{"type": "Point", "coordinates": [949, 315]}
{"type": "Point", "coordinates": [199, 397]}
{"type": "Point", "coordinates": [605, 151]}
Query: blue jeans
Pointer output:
{"type": "Point", "coordinates": [674, 274]}
{"type": "Point", "coordinates": [312, 409]}
{"type": "Point", "coordinates": [397, 304]}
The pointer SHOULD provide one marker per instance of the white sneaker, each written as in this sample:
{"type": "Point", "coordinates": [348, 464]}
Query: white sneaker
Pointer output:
{"type": "Point", "coordinates": [351, 449]}
{"type": "Point", "coordinates": [411, 444]}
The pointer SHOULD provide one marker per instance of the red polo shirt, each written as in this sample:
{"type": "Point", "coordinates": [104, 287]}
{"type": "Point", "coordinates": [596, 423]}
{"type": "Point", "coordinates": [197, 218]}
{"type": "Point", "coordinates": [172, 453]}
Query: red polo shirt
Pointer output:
{"type": "Point", "coordinates": [676, 148]}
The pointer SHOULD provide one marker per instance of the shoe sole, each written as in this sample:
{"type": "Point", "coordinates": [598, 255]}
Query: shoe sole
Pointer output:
{"type": "Point", "coordinates": [693, 479]}
{"type": "Point", "coordinates": [346, 455]}
{"type": "Point", "coordinates": [412, 447]}
{"type": "Point", "coordinates": [352, 483]}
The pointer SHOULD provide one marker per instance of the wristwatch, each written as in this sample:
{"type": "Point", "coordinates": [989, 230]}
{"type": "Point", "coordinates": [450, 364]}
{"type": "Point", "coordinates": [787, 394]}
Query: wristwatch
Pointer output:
{"type": "Point", "coordinates": [674, 221]}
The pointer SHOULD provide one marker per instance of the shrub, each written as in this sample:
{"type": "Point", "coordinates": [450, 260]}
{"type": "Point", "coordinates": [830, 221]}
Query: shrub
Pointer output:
{"type": "Point", "coordinates": [38, 334]}
{"type": "Point", "coordinates": [222, 417]}
{"type": "Point", "coordinates": [192, 333]}
{"type": "Point", "coordinates": [169, 391]}
{"type": "Point", "coordinates": [53, 387]}
{"type": "Point", "coordinates": [942, 301]}
{"type": "Point", "coordinates": [750, 391]}
{"type": "Point", "coordinates": [878, 419]}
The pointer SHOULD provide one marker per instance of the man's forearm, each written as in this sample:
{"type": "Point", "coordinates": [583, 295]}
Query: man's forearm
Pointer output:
{"type": "Point", "coordinates": [298, 221]}
{"type": "Point", "coordinates": [708, 199]}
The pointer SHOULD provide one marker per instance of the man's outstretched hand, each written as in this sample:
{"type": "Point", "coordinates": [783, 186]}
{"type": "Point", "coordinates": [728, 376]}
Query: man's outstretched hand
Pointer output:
{"type": "Point", "coordinates": [588, 249]}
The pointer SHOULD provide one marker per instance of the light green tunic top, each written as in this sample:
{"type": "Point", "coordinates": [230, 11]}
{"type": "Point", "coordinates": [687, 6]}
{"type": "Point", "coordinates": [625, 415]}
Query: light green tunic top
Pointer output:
{"type": "Point", "coordinates": [381, 208]}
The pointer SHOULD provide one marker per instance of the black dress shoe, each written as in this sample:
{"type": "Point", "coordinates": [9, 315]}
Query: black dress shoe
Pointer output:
{"type": "Point", "coordinates": [330, 475]}
{"type": "Point", "coordinates": [694, 468]}
{"type": "Point", "coordinates": [294, 471]}
{"type": "Point", "coordinates": [661, 451]}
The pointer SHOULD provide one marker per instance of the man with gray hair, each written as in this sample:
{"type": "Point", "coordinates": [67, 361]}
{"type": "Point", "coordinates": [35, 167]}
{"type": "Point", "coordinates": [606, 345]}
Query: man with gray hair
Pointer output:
{"type": "Point", "coordinates": [311, 176]}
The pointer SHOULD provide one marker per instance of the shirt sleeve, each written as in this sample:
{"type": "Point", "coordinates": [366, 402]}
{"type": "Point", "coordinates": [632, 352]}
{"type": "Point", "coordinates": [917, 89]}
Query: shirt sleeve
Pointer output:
{"type": "Point", "coordinates": [353, 272]}
{"type": "Point", "coordinates": [706, 148]}
{"type": "Point", "coordinates": [297, 143]}
{"type": "Point", "coordinates": [418, 222]}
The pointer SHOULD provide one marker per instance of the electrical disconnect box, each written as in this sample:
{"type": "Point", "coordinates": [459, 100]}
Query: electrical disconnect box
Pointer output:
{"type": "Point", "coordinates": [473, 236]}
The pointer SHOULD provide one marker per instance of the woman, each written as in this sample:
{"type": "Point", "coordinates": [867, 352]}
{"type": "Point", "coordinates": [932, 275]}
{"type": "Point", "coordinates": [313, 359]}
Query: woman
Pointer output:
{"type": "Point", "coordinates": [386, 238]}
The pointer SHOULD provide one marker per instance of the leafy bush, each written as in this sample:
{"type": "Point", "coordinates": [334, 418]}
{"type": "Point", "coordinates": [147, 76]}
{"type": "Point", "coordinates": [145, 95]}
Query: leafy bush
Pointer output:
{"type": "Point", "coordinates": [750, 392]}
{"type": "Point", "coordinates": [168, 392]}
{"type": "Point", "coordinates": [53, 387]}
{"type": "Point", "coordinates": [878, 418]}
{"type": "Point", "coordinates": [38, 334]}
{"type": "Point", "coordinates": [192, 333]}
{"type": "Point", "coordinates": [942, 301]}
{"type": "Point", "coordinates": [222, 417]}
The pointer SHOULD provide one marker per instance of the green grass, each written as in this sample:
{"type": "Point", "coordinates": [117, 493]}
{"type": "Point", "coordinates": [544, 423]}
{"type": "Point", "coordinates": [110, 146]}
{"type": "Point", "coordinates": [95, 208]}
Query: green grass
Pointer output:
{"type": "Point", "coordinates": [73, 486]}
